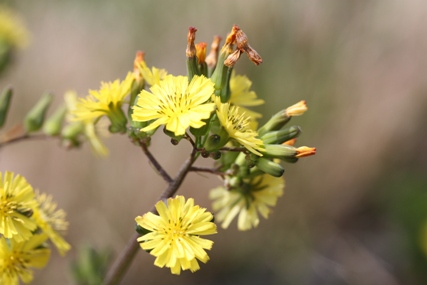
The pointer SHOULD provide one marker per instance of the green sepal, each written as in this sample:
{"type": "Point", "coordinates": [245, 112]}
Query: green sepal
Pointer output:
{"type": "Point", "coordinates": [5, 98]}
{"type": "Point", "coordinates": [53, 124]}
{"type": "Point", "coordinates": [192, 67]}
{"type": "Point", "coordinates": [276, 122]}
{"type": "Point", "coordinates": [35, 118]}
{"type": "Point", "coordinates": [281, 136]}
{"type": "Point", "coordinates": [270, 167]}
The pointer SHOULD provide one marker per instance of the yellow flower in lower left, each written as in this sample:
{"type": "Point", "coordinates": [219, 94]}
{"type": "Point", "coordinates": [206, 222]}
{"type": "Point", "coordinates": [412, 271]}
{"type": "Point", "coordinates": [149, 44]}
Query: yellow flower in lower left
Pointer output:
{"type": "Point", "coordinates": [17, 199]}
{"type": "Point", "coordinates": [16, 258]}
{"type": "Point", "coordinates": [174, 236]}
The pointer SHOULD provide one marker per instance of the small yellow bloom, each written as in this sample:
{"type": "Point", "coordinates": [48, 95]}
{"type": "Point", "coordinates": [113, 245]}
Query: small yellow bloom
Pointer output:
{"type": "Point", "coordinates": [17, 197]}
{"type": "Point", "coordinates": [174, 236]}
{"type": "Point", "coordinates": [303, 151]}
{"type": "Point", "coordinates": [12, 30]}
{"type": "Point", "coordinates": [51, 221]}
{"type": "Point", "coordinates": [16, 258]}
{"type": "Point", "coordinates": [90, 130]}
{"type": "Point", "coordinates": [152, 76]}
{"type": "Point", "coordinates": [175, 103]}
{"type": "Point", "coordinates": [106, 102]}
{"type": "Point", "coordinates": [247, 200]}
{"type": "Point", "coordinates": [237, 126]}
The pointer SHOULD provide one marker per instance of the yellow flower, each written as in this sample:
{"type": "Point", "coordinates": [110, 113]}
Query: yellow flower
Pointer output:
{"type": "Point", "coordinates": [242, 96]}
{"type": "Point", "coordinates": [247, 200]}
{"type": "Point", "coordinates": [51, 221]}
{"type": "Point", "coordinates": [174, 236]}
{"type": "Point", "coordinates": [175, 103]}
{"type": "Point", "coordinates": [107, 101]}
{"type": "Point", "coordinates": [17, 199]}
{"type": "Point", "coordinates": [12, 30]}
{"type": "Point", "coordinates": [152, 76]}
{"type": "Point", "coordinates": [90, 130]}
{"type": "Point", "coordinates": [237, 126]}
{"type": "Point", "coordinates": [16, 259]}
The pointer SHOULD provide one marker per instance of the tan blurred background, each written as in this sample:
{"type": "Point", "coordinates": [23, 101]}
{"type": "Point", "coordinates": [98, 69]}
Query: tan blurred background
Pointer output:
{"type": "Point", "coordinates": [352, 214]}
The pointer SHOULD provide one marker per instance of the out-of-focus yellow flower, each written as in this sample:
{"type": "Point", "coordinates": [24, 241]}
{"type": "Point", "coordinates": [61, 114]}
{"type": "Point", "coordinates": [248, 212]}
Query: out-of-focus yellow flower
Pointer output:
{"type": "Point", "coordinates": [152, 76]}
{"type": "Point", "coordinates": [51, 221]}
{"type": "Point", "coordinates": [12, 30]}
{"type": "Point", "coordinates": [175, 103]}
{"type": "Point", "coordinates": [17, 199]}
{"type": "Point", "coordinates": [17, 258]}
{"type": "Point", "coordinates": [237, 126]}
{"type": "Point", "coordinates": [242, 96]}
{"type": "Point", "coordinates": [251, 197]}
{"type": "Point", "coordinates": [91, 131]}
{"type": "Point", "coordinates": [174, 236]}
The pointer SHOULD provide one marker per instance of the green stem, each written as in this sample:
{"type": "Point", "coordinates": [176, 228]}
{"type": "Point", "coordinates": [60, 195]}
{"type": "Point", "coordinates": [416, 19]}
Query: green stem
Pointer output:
{"type": "Point", "coordinates": [124, 260]}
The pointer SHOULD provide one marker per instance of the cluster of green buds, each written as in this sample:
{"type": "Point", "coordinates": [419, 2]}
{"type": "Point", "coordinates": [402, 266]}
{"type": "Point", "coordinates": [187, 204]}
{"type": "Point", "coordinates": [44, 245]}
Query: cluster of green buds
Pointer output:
{"type": "Point", "coordinates": [223, 135]}
{"type": "Point", "coordinates": [60, 124]}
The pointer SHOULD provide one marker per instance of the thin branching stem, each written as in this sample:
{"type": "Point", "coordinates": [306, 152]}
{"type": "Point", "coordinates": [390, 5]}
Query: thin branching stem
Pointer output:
{"type": "Point", "coordinates": [155, 163]}
{"type": "Point", "coordinates": [22, 138]}
{"type": "Point", "coordinates": [208, 170]}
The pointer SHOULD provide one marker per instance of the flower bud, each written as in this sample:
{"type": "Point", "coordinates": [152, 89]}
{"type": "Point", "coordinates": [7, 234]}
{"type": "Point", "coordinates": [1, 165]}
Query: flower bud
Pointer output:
{"type": "Point", "coordinates": [279, 151]}
{"type": "Point", "coordinates": [281, 136]}
{"type": "Point", "coordinates": [216, 141]}
{"type": "Point", "coordinates": [201, 56]}
{"type": "Point", "coordinates": [192, 67]}
{"type": "Point", "coordinates": [53, 125]}
{"type": "Point", "coordinates": [212, 58]}
{"type": "Point", "coordinates": [270, 167]}
{"type": "Point", "coordinates": [276, 122]}
{"type": "Point", "coordinates": [5, 98]}
{"type": "Point", "coordinates": [35, 118]}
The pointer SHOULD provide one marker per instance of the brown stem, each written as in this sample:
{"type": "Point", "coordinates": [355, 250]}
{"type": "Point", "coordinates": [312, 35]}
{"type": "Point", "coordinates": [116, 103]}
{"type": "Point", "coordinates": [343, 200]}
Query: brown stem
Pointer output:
{"type": "Point", "coordinates": [124, 260]}
{"type": "Point", "coordinates": [21, 138]}
{"type": "Point", "coordinates": [206, 169]}
{"type": "Point", "coordinates": [155, 163]}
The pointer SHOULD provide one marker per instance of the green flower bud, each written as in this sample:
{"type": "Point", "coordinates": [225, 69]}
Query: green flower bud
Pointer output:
{"type": "Point", "coordinates": [279, 151]}
{"type": "Point", "coordinates": [216, 141]}
{"type": "Point", "coordinates": [5, 98]}
{"type": "Point", "coordinates": [281, 136]}
{"type": "Point", "coordinates": [53, 125]}
{"type": "Point", "coordinates": [35, 118]}
{"type": "Point", "coordinates": [276, 122]}
{"type": "Point", "coordinates": [72, 131]}
{"type": "Point", "coordinates": [270, 167]}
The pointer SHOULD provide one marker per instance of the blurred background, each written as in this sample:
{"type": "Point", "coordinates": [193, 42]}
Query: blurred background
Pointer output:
{"type": "Point", "coordinates": [355, 213]}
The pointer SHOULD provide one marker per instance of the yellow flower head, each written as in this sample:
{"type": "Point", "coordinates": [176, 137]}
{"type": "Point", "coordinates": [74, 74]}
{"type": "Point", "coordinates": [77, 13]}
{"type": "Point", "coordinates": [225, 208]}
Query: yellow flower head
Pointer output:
{"type": "Point", "coordinates": [89, 129]}
{"type": "Point", "coordinates": [12, 30]}
{"type": "Point", "coordinates": [152, 76]}
{"type": "Point", "coordinates": [16, 259]}
{"type": "Point", "coordinates": [52, 221]}
{"type": "Point", "coordinates": [247, 200]}
{"type": "Point", "coordinates": [242, 96]}
{"type": "Point", "coordinates": [175, 103]}
{"type": "Point", "coordinates": [174, 236]}
{"type": "Point", "coordinates": [237, 126]}
{"type": "Point", "coordinates": [17, 199]}
{"type": "Point", "coordinates": [107, 101]}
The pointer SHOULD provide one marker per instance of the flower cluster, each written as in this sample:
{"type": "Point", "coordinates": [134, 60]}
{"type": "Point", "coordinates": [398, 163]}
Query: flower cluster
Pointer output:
{"type": "Point", "coordinates": [27, 220]}
{"type": "Point", "coordinates": [209, 108]}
